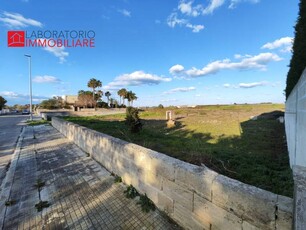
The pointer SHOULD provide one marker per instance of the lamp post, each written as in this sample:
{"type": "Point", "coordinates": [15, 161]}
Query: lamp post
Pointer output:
{"type": "Point", "coordinates": [30, 85]}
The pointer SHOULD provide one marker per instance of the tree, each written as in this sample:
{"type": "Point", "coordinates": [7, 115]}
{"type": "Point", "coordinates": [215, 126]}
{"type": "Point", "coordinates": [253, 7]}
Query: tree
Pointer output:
{"type": "Point", "coordinates": [94, 83]}
{"type": "Point", "coordinates": [122, 94]}
{"type": "Point", "coordinates": [131, 96]}
{"type": "Point", "coordinates": [53, 103]}
{"type": "Point", "coordinates": [113, 103]}
{"type": "Point", "coordinates": [99, 95]}
{"type": "Point", "coordinates": [298, 59]}
{"type": "Point", "coordinates": [108, 94]}
{"type": "Point", "coordinates": [85, 99]}
{"type": "Point", "coordinates": [2, 102]}
{"type": "Point", "coordinates": [49, 104]}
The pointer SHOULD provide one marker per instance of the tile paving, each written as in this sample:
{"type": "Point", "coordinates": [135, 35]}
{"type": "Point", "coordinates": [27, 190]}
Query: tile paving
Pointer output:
{"type": "Point", "coordinates": [81, 193]}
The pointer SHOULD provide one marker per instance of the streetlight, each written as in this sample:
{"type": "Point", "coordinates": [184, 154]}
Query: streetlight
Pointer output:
{"type": "Point", "coordinates": [30, 85]}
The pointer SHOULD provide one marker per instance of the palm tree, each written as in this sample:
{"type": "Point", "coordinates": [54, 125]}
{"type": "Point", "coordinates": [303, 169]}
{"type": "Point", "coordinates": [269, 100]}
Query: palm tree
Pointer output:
{"type": "Point", "coordinates": [108, 94]}
{"type": "Point", "coordinates": [94, 83]}
{"type": "Point", "coordinates": [99, 95]}
{"type": "Point", "coordinates": [122, 93]}
{"type": "Point", "coordinates": [130, 96]}
{"type": "Point", "coordinates": [133, 97]}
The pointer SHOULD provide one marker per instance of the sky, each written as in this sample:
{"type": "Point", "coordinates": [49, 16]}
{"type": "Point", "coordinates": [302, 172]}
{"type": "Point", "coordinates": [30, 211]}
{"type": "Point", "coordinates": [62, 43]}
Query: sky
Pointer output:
{"type": "Point", "coordinates": [174, 52]}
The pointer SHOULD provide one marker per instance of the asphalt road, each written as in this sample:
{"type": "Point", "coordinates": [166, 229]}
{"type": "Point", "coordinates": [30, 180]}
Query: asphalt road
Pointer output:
{"type": "Point", "coordinates": [10, 128]}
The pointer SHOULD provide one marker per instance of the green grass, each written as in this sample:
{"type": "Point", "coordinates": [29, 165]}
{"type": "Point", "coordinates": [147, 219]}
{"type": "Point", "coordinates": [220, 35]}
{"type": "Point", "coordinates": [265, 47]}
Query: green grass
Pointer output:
{"type": "Point", "coordinates": [38, 122]}
{"type": "Point", "coordinates": [223, 138]}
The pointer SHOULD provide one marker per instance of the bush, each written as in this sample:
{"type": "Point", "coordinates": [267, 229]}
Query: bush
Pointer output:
{"type": "Point", "coordinates": [102, 104]}
{"type": "Point", "coordinates": [132, 119]}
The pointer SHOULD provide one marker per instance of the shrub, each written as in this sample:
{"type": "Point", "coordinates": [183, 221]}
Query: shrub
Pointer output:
{"type": "Point", "coordinates": [132, 119]}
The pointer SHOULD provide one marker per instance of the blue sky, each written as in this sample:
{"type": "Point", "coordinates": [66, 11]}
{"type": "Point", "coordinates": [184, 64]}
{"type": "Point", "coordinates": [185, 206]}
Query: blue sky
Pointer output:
{"type": "Point", "coordinates": [167, 52]}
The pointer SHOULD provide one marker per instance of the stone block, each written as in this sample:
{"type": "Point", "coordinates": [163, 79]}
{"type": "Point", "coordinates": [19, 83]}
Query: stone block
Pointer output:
{"type": "Point", "coordinates": [142, 159]}
{"type": "Point", "coordinates": [164, 203]}
{"type": "Point", "coordinates": [219, 218]}
{"type": "Point", "coordinates": [152, 179]}
{"type": "Point", "coordinates": [151, 192]}
{"type": "Point", "coordinates": [247, 226]}
{"type": "Point", "coordinates": [284, 213]}
{"type": "Point", "coordinates": [179, 194]}
{"type": "Point", "coordinates": [299, 215]}
{"type": "Point", "coordinates": [195, 178]}
{"type": "Point", "coordinates": [187, 219]}
{"type": "Point", "coordinates": [252, 204]}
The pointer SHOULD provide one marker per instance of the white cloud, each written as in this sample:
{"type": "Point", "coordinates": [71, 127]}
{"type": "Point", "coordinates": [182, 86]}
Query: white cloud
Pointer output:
{"type": "Point", "coordinates": [135, 79]}
{"type": "Point", "coordinates": [249, 85]}
{"type": "Point", "coordinates": [46, 79]}
{"type": "Point", "coordinates": [284, 43]}
{"type": "Point", "coordinates": [168, 100]}
{"type": "Point", "coordinates": [247, 62]}
{"type": "Point", "coordinates": [15, 20]}
{"type": "Point", "coordinates": [173, 21]}
{"type": "Point", "coordinates": [253, 84]}
{"type": "Point", "coordinates": [176, 69]}
{"type": "Point", "coordinates": [14, 95]}
{"type": "Point", "coordinates": [195, 28]}
{"type": "Point", "coordinates": [125, 12]}
{"type": "Point", "coordinates": [188, 9]}
{"type": "Point", "coordinates": [58, 52]}
{"type": "Point", "coordinates": [180, 90]}
{"type": "Point", "coordinates": [213, 5]}
{"type": "Point", "coordinates": [234, 3]}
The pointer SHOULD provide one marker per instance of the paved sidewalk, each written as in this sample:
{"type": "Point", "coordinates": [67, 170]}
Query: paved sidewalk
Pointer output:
{"type": "Point", "coordinates": [81, 193]}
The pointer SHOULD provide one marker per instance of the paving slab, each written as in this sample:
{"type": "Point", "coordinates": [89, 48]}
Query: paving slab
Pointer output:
{"type": "Point", "coordinates": [81, 194]}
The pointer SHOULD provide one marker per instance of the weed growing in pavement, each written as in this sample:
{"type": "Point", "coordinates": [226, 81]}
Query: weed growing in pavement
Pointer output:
{"type": "Point", "coordinates": [131, 192]}
{"type": "Point", "coordinates": [146, 204]}
{"type": "Point", "coordinates": [118, 179]}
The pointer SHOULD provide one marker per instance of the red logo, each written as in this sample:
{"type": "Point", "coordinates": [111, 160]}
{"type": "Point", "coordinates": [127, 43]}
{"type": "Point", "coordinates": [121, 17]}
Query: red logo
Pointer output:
{"type": "Point", "coordinates": [15, 38]}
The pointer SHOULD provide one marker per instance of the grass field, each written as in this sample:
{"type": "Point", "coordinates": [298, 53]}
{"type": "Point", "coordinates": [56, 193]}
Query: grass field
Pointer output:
{"type": "Point", "coordinates": [223, 138]}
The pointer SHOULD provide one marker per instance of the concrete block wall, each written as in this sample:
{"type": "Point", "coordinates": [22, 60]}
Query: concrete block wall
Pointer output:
{"type": "Point", "coordinates": [295, 123]}
{"type": "Point", "coordinates": [195, 197]}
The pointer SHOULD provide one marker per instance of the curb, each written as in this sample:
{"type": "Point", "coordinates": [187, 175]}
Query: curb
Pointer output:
{"type": "Point", "coordinates": [7, 182]}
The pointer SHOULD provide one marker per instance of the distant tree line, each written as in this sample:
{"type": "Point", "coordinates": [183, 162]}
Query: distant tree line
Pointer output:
{"type": "Point", "coordinates": [93, 99]}
{"type": "Point", "coordinates": [298, 60]}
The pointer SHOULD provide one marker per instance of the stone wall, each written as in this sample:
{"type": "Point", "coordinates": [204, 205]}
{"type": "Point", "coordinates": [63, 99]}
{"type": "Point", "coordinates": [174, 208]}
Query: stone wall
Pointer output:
{"type": "Point", "coordinates": [295, 123]}
{"type": "Point", "coordinates": [195, 197]}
